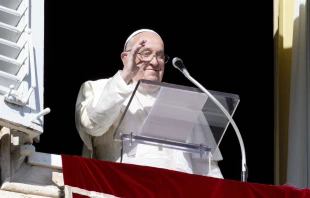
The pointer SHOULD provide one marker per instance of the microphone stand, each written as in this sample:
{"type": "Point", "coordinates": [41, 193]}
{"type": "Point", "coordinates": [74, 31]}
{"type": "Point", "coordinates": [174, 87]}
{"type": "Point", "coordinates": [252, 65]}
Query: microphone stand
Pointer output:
{"type": "Point", "coordinates": [187, 75]}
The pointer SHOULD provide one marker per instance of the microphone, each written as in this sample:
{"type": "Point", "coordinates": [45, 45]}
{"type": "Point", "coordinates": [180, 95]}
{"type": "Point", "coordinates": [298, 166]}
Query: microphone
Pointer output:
{"type": "Point", "coordinates": [178, 63]}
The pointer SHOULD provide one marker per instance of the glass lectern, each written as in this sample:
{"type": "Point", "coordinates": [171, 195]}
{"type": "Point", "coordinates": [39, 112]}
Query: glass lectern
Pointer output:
{"type": "Point", "coordinates": [175, 116]}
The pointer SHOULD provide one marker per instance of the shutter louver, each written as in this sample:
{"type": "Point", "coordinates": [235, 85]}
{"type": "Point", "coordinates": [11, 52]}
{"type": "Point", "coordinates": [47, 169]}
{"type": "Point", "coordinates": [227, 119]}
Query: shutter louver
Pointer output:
{"type": "Point", "coordinates": [21, 65]}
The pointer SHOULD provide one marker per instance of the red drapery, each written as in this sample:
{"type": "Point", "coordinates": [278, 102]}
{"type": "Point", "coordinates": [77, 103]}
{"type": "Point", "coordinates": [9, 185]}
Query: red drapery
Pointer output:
{"type": "Point", "coordinates": [85, 177]}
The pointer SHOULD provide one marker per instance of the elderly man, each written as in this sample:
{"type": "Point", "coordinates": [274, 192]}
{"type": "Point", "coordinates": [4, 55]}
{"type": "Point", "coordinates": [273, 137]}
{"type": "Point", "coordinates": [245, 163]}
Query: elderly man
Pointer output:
{"type": "Point", "coordinates": [100, 105]}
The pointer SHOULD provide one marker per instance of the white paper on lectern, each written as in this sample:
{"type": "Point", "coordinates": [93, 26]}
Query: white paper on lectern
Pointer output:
{"type": "Point", "coordinates": [174, 114]}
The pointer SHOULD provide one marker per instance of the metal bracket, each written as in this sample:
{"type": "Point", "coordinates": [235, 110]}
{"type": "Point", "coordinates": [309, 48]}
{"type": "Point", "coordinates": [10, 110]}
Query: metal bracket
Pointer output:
{"type": "Point", "coordinates": [40, 114]}
{"type": "Point", "coordinates": [203, 150]}
{"type": "Point", "coordinates": [16, 98]}
{"type": "Point", "coordinates": [130, 143]}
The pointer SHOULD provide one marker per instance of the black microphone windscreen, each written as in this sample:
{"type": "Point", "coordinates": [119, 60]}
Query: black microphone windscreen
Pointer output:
{"type": "Point", "coordinates": [178, 63]}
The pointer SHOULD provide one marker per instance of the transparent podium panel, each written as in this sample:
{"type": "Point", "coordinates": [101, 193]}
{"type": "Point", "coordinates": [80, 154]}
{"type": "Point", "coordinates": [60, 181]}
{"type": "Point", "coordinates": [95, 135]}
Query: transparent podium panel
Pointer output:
{"type": "Point", "coordinates": [175, 116]}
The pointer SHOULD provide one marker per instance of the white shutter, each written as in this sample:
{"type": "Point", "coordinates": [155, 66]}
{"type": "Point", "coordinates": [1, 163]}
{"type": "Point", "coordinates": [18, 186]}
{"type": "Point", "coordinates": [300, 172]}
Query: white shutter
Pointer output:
{"type": "Point", "coordinates": [21, 65]}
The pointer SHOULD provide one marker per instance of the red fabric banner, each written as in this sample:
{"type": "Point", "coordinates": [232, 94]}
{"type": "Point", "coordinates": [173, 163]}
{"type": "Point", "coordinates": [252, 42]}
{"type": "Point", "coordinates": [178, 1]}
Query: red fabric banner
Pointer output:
{"type": "Point", "coordinates": [84, 178]}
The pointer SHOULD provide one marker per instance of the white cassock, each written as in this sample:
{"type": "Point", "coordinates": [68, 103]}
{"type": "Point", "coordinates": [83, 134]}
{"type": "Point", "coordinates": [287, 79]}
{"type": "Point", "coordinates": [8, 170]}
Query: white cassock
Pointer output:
{"type": "Point", "coordinates": [99, 107]}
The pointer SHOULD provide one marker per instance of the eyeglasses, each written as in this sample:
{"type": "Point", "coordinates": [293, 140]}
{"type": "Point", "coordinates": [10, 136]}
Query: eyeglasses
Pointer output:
{"type": "Point", "coordinates": [148, 56]}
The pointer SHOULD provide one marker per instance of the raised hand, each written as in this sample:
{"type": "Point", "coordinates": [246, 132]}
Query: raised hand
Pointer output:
{"type": "Point", "coordinates": [130, 67]}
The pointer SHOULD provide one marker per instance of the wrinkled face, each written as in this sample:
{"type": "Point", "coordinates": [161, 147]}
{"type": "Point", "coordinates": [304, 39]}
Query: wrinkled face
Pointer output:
{"type": "Point", "coordinates": [150, 57]}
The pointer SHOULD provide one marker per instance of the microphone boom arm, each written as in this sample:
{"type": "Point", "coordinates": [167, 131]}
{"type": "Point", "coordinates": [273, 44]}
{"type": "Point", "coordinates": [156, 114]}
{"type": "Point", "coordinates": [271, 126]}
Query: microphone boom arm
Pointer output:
{"type": "Point", "coordinates": [186, 73]}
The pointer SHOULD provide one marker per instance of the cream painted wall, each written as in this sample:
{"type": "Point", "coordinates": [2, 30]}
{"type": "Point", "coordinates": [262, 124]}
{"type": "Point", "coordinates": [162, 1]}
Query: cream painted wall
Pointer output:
{"type": "Point", "coordinates": [283, 34]}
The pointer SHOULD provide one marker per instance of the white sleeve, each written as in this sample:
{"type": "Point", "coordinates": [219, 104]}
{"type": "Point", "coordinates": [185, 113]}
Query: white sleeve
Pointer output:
{"type": "Point", "coordinates": [99, 104]}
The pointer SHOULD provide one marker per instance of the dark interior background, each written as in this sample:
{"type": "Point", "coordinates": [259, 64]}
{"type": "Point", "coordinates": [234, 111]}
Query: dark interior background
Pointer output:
{"type": "Point", "coordinates": [226, 46]}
